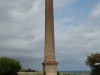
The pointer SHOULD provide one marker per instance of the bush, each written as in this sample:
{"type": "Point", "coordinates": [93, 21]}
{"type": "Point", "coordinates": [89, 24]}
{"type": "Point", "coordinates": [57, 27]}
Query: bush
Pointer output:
{"type": "Point", "coordinates": [9, 66]}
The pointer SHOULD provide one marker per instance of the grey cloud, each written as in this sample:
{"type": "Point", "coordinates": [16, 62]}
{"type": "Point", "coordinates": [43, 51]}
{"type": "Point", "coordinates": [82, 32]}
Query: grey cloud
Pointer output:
{"type": "Point", "coordinates": [22, 35]}
{"type": "Point", "coordinates": [62, 3]}
{"type": "Point", "coordinates": [21, 31]}
{"type": "Point", "coordinates": [95, 11]}
{"type": "Point", "coordinates": [76, 43]}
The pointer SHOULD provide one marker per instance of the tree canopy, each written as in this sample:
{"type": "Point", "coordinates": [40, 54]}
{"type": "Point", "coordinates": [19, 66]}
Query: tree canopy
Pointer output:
{"type": "Point", "coordinates": [93, 61]}
{"type": "Point", "coordinates": [9, 66]}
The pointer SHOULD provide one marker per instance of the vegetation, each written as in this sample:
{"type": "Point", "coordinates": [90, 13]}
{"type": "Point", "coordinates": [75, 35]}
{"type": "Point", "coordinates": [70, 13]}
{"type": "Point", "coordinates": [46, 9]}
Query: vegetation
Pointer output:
{"type": "Point", "coordinates": [58, 73]}
{"type": "Point", "coordinates": [93, 61]}
{"type": "Point", "coordinates": [28, 70]}
{"type": "Point", "coordinates": [71, 74]}
{"type": "Point", "coordinates": [9, 66]}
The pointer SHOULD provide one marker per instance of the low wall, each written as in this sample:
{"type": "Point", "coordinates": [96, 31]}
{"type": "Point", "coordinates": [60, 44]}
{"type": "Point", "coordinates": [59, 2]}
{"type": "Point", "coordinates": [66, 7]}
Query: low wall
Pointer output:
{"type": "Point", "coordinates": [40, 73]}
{"type": "Point", "coordinates": [29, 73]}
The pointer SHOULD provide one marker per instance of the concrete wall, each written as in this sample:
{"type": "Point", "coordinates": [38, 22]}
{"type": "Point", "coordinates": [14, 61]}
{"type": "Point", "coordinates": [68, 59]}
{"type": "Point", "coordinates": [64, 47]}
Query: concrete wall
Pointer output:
{"type": "Point", "coordinates": [40, 73]}
{"type": "Point", "coordinates": [29, 73]}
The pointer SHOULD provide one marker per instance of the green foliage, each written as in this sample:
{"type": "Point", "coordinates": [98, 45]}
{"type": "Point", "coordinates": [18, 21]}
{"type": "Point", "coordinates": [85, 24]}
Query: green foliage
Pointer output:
{"type": "Point", "coordinates": [58, 73]}
{"type": "Point", "coordinates": [66, 74]}
{"type": "Point", "coordinates": [91, 60]}
{"type": "Point", "coordinates": [9, 66]}
{"type": "Point", "coordinates": [28, 70]}
{"type": "Point", "coordinates": [70, 74]}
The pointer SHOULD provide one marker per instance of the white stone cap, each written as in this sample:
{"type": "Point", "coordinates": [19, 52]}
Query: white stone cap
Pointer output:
{"type": "Point", "coordinates": [97, 64]}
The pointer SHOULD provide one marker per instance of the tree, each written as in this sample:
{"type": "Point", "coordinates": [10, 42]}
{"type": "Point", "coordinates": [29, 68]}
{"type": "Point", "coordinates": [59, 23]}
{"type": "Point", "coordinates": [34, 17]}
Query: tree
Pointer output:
{"type": "Point", "coordinates": [93, 61]}
{"type": "Point", "coordinates": [9, 66]}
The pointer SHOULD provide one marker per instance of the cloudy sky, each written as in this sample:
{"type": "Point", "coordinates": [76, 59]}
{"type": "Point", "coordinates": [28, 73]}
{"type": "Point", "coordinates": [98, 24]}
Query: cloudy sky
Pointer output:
{"type": "Point", "coordinates": [77, 32]}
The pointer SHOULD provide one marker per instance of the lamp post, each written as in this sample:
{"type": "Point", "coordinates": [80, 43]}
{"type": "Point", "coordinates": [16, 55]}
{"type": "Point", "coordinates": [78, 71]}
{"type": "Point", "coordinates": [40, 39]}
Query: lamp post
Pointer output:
{"type": "Point", "coordinates": [97, 64]}
{"type": "Point", "coordinates": [97, 68]}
